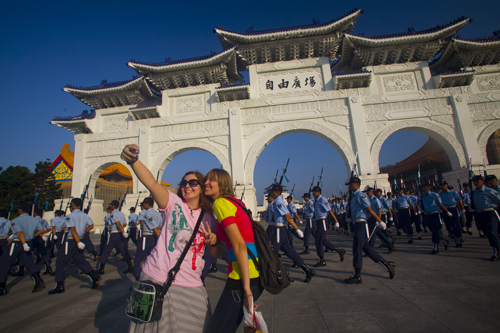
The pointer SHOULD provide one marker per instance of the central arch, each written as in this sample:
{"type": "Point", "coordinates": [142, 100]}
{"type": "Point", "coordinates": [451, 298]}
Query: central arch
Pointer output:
{"type": "Point", "coordinates": [306, 127]}
{"type": "Point", "coordinates": [450, 144]}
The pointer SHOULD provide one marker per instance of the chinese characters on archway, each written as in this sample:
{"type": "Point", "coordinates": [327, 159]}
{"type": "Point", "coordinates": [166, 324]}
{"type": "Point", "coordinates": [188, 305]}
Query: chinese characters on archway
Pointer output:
{"type": "Point", "coordinates": [285, 84]}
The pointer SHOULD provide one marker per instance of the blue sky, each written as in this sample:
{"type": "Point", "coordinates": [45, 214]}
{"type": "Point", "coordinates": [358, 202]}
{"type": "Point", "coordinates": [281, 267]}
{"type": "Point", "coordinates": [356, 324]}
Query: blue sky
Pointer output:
{"type": "Point", "coordinates": [46, 45]}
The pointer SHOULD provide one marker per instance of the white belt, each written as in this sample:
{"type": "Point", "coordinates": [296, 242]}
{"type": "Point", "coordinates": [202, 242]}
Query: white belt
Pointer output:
{"type": "Point", "coordinates": [484, 210]}
{"type": "Point", "coordinates": [3, 237]}
{"type": "Point", "coordinates": [146, 233]}
{"type": "Point", "coordinates": [358, 220]}
{"type": "Point", "coordinates": [432, 212]}
{"type": "Point", "coordinates": [114, 231]}
{"type": "Point", "coordinates": [277, 224]}
{"type": "Point", "coordinates": [319, 218]}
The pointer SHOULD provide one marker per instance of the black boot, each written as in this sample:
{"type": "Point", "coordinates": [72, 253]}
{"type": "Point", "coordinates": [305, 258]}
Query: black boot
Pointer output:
{"type": "Point", "coordinates": [306, 251]}
{"type": "Point", "coordinates": [213, 268]}
{"type": "Point", "coordinates": [341, 253]}
{"type": "Point", "coordinates": [308, 272]}
{"type": "Point", "coordinates": [39, 284]}
{"type": "Point", "coordinates": [94, 278]}
{"type": "Point", "coordinates": [59, 289]}
{"type": "Point", "coordinates": [48, 269]}
{"type": "Point", "coordinates": [130, 267]}
{"type": "Point", "coordinates": [321, 262]}
{"type": "Point", "coordinates": [389, 266]}
{"type": "Point", "coordinates": [95, 255]}
{"type": "Point", "coordinates": [3, 289]}
{"type": "Point", "coordinates": [100, 269]}
{"type": "Point", "coordinates": [20, 272]}
{"type": "Point", "coordinates": [355, 278]}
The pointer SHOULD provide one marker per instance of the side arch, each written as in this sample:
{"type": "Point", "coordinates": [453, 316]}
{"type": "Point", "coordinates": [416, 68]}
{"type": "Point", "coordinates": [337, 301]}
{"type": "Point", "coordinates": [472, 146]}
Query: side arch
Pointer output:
{"type": "Point", "coordinates": [449, 143]}
{"type": "Point", "coordinates": [485, 135]}
{"type": "Point", "coordinates": [168, 153]}
{"type": "Point", "coordinates": [98, 166]}
{"type": "Point", "coordinates": [323, 132]}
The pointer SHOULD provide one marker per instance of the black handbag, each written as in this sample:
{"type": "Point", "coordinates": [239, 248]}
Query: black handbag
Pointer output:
{"type": "Point", "coordinates": [146, 300]}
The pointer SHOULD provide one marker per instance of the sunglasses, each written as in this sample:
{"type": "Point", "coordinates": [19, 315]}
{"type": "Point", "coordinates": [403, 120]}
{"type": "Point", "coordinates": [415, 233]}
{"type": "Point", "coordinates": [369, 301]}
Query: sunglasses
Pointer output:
{"type": "Point", "coordinates": [192, 182]}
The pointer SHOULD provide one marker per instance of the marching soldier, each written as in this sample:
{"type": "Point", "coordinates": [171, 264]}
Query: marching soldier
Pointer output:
{"type": "Point", "coordinates": [39, 242]}
{"type": "Point", "coordinates": [89, 246]}
{"type": "Point", "coordinates": [24, 228]}
{"type": "Point", "coordinates": [150, 226]}
{"type": "Point", "coordinates": [105, 231]}
{"type": "Point", "coordinates": [72, 247]}
{"type": "Point", "coordinates": [387, 216]}
{"type": "Point", "coordinates": [295, 217]}
{"type": "Point", "coordinates": [360, 209]}
{"type": "Point", "coordinates": [116, 238]}
{"type": "Point", "coordinates": [310, 227]}
{"type": "Point", "coordinates": [278, 232]}
{"type": "Point", "coordinates": [4, 231]}
{"type": "Point", "coordinates": [403, 204]}
{"type": "Point", "coordinates": [468, 214]}
{"type": "Point", "coordinates": [431, 204]}
{"type": "Point", "coordinates": [57, 224]}
{"type": "Point", "coordinates": [132, 225]}
{"type": "Point", "coordinates": [415, 217]}
{"type": "Point", "coordinates": [486, 201]}
{"type": "Point", "coordinates": [321, 210]}
{"type": "Point", "coordinates": [450, 200]}
{"type": "Point", "coordinates": [374, 227]}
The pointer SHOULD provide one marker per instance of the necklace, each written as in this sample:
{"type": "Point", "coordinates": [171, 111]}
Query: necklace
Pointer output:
{"type": "Point", "coordinates": [192, 215]}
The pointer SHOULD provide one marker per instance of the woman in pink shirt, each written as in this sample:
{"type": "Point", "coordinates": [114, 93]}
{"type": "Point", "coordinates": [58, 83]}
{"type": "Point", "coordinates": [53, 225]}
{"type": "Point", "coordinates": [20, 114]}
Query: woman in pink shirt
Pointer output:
{"type": "Point", "coordinates": [185, 307]}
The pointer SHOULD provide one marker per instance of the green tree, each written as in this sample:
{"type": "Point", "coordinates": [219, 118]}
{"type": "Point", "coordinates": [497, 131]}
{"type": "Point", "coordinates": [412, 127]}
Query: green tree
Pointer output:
{"type": "Point", "coordinates": [47, 188]}
{"type": "Point", "coordinates": [16, 186]}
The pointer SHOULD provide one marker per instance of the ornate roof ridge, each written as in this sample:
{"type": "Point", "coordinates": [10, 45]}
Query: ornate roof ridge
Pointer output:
{"type": "Point", "coordinates": [411, 32]}
{"type": "Point", "coordinates": [479, 40]}
{"type": "Point", "coordinates": [354, 72]}
{"type": "Point", "coordinates": [85, 115]}
{"type": "Point", "coordinates": [104, 84]}
{"type": "Point", "coordinates": [449, 73]}
{"type": "Point", "coordinates": [237, 85]}
{"type": "Point", "coordinates": [298, 27]}
{"type": "Point", "coordinates": [169, 62]}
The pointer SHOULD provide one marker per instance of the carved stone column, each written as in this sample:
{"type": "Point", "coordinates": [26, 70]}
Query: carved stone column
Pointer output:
{"type": "Point", "coordinates": [78, 166]}
{"type": "Point", "coordinates": [359, 138]}
{"type": "Point", "coordinates": [465, 130]}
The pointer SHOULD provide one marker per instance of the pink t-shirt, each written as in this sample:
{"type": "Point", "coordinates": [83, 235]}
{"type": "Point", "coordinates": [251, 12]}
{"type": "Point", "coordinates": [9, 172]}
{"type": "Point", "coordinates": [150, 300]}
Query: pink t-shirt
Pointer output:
{"type": "Point", "coordinates": [178, 225]}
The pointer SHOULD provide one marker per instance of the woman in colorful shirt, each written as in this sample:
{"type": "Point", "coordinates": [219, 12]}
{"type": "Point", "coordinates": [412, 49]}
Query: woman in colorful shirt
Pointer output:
{"type": "Point", "coordinates": [235, 228]}
{"type": "Point", "coordinates": [185, 307]}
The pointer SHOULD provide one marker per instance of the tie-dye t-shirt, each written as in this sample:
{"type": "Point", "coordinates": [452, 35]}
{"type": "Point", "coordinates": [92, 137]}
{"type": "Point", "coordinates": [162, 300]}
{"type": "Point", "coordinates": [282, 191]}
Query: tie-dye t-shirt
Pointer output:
{"type": "Point", "coordinates": [228, 213]}
{"type": "Point", "coordinates": [178, 225]}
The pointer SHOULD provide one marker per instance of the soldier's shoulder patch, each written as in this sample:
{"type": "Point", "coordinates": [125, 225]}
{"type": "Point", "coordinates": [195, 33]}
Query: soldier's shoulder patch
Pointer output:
{"type": "Point", "coordinates": [68, 218]}
{"type": "Point", "coordinates": [151, 218]}
{"type": "Point", "coordinates": [13, 224]}
{"type": "Point", "coordinates": [364, 197]}
{"type": "Point", "coordinates": [111, 216]}
{"type": "Point", "coordinates": [279, 206]}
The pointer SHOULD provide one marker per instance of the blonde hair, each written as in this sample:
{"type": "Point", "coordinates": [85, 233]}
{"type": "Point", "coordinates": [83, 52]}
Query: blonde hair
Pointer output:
{"type": "Point", "coordinates": [225, 182]}
{"type": "Point", "coordinates": [204, 203]}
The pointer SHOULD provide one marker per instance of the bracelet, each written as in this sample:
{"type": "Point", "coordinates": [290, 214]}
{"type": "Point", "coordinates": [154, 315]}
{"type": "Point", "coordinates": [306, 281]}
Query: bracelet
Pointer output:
{"type": "Point", "coordinates": [249, 295]}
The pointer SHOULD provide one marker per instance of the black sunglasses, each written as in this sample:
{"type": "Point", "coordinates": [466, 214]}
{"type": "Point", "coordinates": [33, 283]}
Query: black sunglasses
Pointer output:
{"type": "Point", "coordinates": [192, 182]}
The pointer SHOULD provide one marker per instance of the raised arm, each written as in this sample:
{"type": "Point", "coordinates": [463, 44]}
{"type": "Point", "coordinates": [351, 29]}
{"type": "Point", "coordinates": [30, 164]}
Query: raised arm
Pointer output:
{"type": "Point", "coordinates": [159, 193]}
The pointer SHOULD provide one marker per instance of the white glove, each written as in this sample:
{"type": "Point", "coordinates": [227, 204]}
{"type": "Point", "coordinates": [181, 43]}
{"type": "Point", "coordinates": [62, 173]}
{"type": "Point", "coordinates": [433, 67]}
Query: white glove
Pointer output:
{"type": "Point", "coordinates": [81, 246]}
{"type": "Point", "coordinates": [55, 237]}
{"type": "Point", "coordinates": [45, 238]}
{"type": "Point", "coordinates": [348, 219]}
{"type": "Point", "coordinates": [471, 210]}
{"type": "Point", "coordinates": [391, 219]}
{"type": "Point", "coordinates": [337, 225]}
{"type": "Point", "coordinates": [300, 222]}
{"type": "Point", "coordinates": [382, 225]}
{"type": "Point", "coordinates": [464, 211]}
{"type": "Point", "coordinates": [300, 233]}
{"type": "Point", "coordinates": [449, 214]}
{"type": "Point", "coordinates": [125, 235]}
{"type": "Point", "coordinates": [26, 247]}
{"type": "Point", "coordinates": [377, 223]}
{"type": "Point", "coordinates": [418, 213]}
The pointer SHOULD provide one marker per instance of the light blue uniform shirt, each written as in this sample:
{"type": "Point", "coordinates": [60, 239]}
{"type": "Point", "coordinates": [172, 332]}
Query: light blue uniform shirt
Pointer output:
{"type": "Point", "coordinates": [4, 227]}
{"type": "Point", "coordinates": [292, 209]}
{"type": "Point", "coordinates": [270, 210]}
{"type": "Point", "coordinates": [413, 199]}
{"type": "Point", "coordinates": [132, 220]}
{"type": "Point", "coordinates": [107, 222]}
{"type": "Point", "coordinates": [116, 216]}
{"type": "Point", "coordinates": [152, 220]}
{"type": "Point", "coordinates": [497, 189]}
{"type": "Point", "coordinates": [27, 224]}
{"type": "Point", "coordinates": [431, 202]}
{"type": "Point", "coordinates": [359, 201]}
{"type": "Point", "coordinates": [309, 209]}
{"type": "Point", "coordinates": [375, 204]}
{"type": "Point", "coordinates": [58, 222]}
{"type": "Point", "coordinates": [280, 210]}
{"type": "Point", "coordinates": [385, 205]}
{"type": "Point", "coordinates": [141, 215]}
{"type": "Point", "coordinates": [44, 223]}
{"type": "Point", "coordinates": [79, 220]}
{"type": "Point", "coordinates": [321, 207]}
{"type": "Point", "coordinates": [449, 198]}
{"type": "Point", "coordinates": [466, 197]}
{"type": "Point", "coordinates": [403, 201]}
{"type": "Point", "coordinates": [485, 198]}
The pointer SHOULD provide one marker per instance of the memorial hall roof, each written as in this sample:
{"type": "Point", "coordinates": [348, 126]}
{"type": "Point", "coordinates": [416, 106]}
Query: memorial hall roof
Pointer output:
{"type": "Point", "coordinates": [462, 53]}
{"type": "Point", "coordinates": [76, 124]}
{"type": "Point", "coordinates": [298, 42]}
{"type": "Point", "coordinates": [108, 95]}
{"type": "Point", "coordinates": [215, 68]}
{"type": "Point", "coordinates": [361, 51]}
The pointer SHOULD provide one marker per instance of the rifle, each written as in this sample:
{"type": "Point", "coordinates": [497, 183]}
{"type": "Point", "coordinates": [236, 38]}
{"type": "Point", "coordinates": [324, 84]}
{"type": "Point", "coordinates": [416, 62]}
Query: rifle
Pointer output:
{"type": "Point", "coordinates": [90, 203]}
{"type": "Point", "coordinates": [123, 199]}
{"type": "Point", "coordinates": [460, 187]}
{"type": "Point", "coordinates": [243, 193]}
{"type": "Point", "coordinates": [341, 194]}
{"type": "Point", "coordinates": [293, 188]}
{"type": "Point", "coordinates": [34, 201]}
{"type": "Point", "coordinates": [312, 184]}
{"type": "Point", "coordinates": [320, 177]}
{"type": "Point", "coordinates": [350, 192]}
{"type": "Point", "coordinates": [284, 172]}
{"type": "Point", "coordinates": [84, 193]}
{"type": "Point", "coordinates": [67, 205]}
{"type": "Point", "coordinates": [484, 169]}
{"type": "Point", "coordinates": [276, 177]}
{"type": "Point", "coordinates": [10, 208]}
{"type": "Point", "coordinates": [137, 201]}
{"type": "Point", "coordinates": [471, 174]}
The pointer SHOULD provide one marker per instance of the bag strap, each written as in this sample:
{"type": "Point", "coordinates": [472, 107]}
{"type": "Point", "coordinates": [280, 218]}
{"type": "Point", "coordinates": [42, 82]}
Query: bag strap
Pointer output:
{"type": "Point", "coordinates": [173, 272]}
{"type": "Point", "coordinates": [251, 220]}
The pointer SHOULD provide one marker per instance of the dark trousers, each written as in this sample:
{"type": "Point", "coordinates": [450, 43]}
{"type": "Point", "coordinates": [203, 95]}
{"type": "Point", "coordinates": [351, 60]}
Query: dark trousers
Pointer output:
{"type": "Point", "coordinates": [144, 247]}
{"type": "Point", "coordinates": [434, 223]}
{"type": "Point", "coordinates": [320, 238]}
{"type": "Point", "coordinates": [228, 313]}
{"type": "Point", "coordinates": [13, 252]}
{"type": "Point", "coordinates": [405, 220]}
{"type": "Point", "coordinates": [468, 218]}
{"type": "Point", "coordinates": [381, 234]}
{"type": "Point", "coordinates": [395, 217]}
{"type": "Point", "coordinates": [3, 246]}
{"type": "Point", "coordinates": [89, 246]}
{"type": "Point", "coordinates": [69, 250]}
{"type": "Point", "coordinates": [104, 240]}
{"type": "Point", "coordinates": [40, 248]}
{"type": "Point", "coordinates": [360, 244]}
{"type": "Point", "coordinates": [310, 230]}
{"type": "Point", "coordinates": [115, 239]}
{"type": "Point", "coordinates": [132, 235]}
{"type": "Point", "coordinates": [489, 223]}
{"type": "Point", "coordinates": [279, 240]}
{"type": "Point", "coordinates": [417, 220]}
{"type": "Point", "coordinates": [453, 223]}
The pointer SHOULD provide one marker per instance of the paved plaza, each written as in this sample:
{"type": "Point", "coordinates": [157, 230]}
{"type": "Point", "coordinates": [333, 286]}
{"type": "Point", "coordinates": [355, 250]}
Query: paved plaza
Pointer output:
{"type": "Point", "coordinates": [455, 291]}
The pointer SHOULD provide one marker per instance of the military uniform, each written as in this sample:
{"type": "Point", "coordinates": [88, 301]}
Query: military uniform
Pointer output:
{"type": "Point", "coordinates": [310, 227]}
{"type": "Point", "coordinates": [450, 199]}
{"type": "Point", "coordinates": [430, 204]}
{"type": "Point", "coordinates": [132, 226]}
{"type": "Point", "coordinates": [147, 241]}
{"type": "Point", "coordinates": [374, 228]}
{"type": "Point", "coordinates": [4, 234]}
{"type": "Point", "coordinates": [403, 203]}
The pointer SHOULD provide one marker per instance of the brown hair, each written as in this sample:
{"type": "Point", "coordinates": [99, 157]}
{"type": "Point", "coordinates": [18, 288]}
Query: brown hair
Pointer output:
{"type": "Point", "coordinates": [224, 180]}
{"type": "Point", "coordinates": [204, 203]}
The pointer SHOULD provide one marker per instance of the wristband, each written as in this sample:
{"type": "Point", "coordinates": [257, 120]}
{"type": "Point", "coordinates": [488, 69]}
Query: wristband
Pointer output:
{"type": "Point", "coordinates": [249, 295]}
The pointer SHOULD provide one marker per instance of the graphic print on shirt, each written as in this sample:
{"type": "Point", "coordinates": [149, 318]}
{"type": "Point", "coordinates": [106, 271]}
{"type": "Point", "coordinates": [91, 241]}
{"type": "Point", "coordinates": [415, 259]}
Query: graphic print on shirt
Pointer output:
{"type": "Point", "coordinates": [198, 248]}
{"type": "Point", "coordinates": [179, 224]}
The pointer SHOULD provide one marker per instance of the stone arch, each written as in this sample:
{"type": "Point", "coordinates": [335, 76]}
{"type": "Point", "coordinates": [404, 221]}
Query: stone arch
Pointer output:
{"type": "Point", "coordinates": [306, 127]}
{"type": "Point", "coordinates": [168, 153]}
{"type": "Point", "coordinates": [98, 166]}
{"type": "Point", "coordinates": [450, 144]}
{"type": "Point", "coordinates": [485, 135]}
